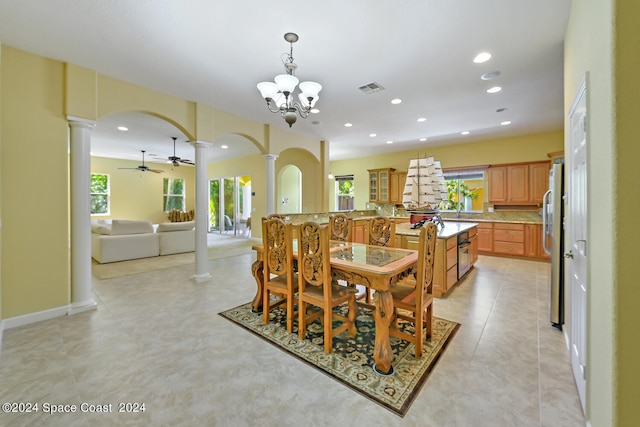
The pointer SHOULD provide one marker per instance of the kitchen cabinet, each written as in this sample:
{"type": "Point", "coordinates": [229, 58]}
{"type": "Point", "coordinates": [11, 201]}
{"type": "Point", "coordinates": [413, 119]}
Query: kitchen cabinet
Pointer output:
{"type": "Point", "coordinates": [538, 181]}
{"type": "Point", "coordinates": [397, 181]}
{"type": "Point", "coordinates": [533, 242]}
{"type": "Point", "coordinates": [508, 238]}
{"type": "Point", "coordinates": [473, 249]}
{"type": "Point", "coordinates": [485, 237]}
{"type": "Point", "coordinates": [361, 231]}
{"type": "Point", "coordinates": [379, 180]}
{"type": "Point", "coordinates": [445, 266]}
{"type": "Point", "coordinates": [518, 183]}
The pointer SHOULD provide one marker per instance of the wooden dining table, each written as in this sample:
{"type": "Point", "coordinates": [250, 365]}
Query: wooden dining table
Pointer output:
{"type": "Point", "coordinates": [376, 267]}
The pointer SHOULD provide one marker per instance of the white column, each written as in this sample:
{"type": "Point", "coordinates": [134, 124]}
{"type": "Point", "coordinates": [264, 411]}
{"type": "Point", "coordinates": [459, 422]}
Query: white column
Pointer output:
{"type": "Point", "coordinates": [81, 295]}
{"type": "Point", "coordinates": [271, 182]}
{"type": "Point", "coordinates": [202, 212]}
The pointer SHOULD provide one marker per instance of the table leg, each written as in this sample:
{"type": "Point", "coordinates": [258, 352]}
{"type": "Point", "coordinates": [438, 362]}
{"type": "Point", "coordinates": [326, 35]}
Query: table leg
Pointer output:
{"type": "Point", "coordinates": [382, 353]}
{"type": "Point", "coordinates": [258, 273]}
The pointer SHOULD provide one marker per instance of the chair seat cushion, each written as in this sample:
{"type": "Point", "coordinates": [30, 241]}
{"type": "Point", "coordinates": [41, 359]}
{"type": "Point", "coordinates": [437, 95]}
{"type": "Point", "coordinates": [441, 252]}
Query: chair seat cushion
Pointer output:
{"type": "Point", "coordinates": [337, 292]}
{"type": "Point", "coordinates": [281, 282]}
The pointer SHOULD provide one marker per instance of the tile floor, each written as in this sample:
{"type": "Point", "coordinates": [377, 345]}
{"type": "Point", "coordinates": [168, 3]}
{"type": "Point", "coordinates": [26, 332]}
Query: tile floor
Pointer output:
{"type": "Point", "coordinates": [156, 338]}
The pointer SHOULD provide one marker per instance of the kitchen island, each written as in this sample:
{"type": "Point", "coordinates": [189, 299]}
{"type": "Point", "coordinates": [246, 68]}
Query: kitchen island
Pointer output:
{"type": "Point", "coordinates": [456, 252]}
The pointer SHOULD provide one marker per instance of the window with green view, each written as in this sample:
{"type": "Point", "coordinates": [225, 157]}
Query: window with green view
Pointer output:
{"type": "Point", "coordinates": [464, 191]}
{"type": "Point", "coordinates": [99, 194]}
{"type": "Point", "coordinates": [344, 193]}
{"type": "Point", "coordinates": [174, 198]}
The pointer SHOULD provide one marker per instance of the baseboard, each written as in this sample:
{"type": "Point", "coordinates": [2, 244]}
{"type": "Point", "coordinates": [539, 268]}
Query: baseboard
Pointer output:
{"type": "Point", "coordinates": [26, 319]}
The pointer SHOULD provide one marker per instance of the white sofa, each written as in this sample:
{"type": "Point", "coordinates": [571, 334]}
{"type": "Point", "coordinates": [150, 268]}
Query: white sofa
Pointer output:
{"type": "Point", "coordinates": [120, 240]}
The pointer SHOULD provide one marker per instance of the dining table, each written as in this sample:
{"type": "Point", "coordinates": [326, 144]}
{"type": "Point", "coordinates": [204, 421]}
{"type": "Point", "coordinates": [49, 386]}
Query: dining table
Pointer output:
{"type": "Point", "coordinates": [377, 267]}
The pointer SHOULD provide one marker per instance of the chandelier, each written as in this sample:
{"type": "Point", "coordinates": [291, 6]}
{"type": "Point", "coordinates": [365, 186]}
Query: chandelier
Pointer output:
{"type": "Point", "coordinates": [280, 95]}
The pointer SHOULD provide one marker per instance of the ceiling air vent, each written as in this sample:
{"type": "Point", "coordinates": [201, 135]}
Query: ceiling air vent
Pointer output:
{"type": "Point", "coordinates": [372, 87]}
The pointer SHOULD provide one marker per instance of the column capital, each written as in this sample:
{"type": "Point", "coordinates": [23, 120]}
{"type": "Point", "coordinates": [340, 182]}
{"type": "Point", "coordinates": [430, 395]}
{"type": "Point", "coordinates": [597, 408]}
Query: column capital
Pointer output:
{"type": "Point", "coordinates": [81, 122]}
{"type": "Point", "coordinates": [201, 144]}
{"type": "Point", "coordinates": [270, 156]}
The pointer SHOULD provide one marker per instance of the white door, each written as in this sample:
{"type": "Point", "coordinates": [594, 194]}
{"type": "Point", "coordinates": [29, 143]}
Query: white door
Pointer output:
{"type": "Point", "coordinates": [576, 242]}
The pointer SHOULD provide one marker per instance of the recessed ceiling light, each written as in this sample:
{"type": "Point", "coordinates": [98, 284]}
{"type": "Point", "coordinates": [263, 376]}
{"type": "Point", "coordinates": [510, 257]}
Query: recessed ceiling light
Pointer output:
{"type": "Point", "coordinates": [348, 125]}
{"type": "Point", "coordinates": [494, 89]}
{"type": "Point", "coordinates": [372, 135]}
{"type": "Point", "coordinates": [466, 132]}
{"type": "Point", "coordinates": [315, 111]}
{"type": "Point", "coordinates": [482, 57]}
{"type": "Point", "coordinates": [490, 75]}
{"type": "Point", "coordinates": [423, 139]}
{"type": "Point", "coordinates": [123, 128]}
{"type": "Point", "coordinates": [505, 123]}
{"type": "Point", "coordinates": [422, 119]}
{"type": "Point", "coordinates": [389, 142]}
{"type": "Point", "coordinates": [396, 101]}
{"type": "Point", "coordinates": [224, 147]}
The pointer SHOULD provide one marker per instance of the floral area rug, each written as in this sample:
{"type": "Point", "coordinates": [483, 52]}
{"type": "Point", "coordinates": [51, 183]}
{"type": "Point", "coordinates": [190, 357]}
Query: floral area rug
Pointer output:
{"type": "Point", "coordinates": [351, 361]}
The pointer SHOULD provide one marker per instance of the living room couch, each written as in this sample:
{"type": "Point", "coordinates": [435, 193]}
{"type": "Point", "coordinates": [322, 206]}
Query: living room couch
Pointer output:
{"type": "Point", "coordinates": [121, 240]}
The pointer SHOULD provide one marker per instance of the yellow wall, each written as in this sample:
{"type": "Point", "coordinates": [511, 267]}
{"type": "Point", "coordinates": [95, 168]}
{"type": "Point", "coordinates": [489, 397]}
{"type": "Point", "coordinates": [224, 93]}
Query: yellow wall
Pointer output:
{"type": "Point", "coordinates": [35, 252]}
{"type": "Point", "coordinates": [627, 154]}
{"type": "Point", "coordinates": [507, 150]}
{"type": "Point", "coordinates": [138, 195]}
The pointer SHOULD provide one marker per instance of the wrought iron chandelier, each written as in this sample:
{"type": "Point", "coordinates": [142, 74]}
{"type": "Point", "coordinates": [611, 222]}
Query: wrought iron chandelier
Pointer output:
{"type": "Point", "coordinates": [280, 95]}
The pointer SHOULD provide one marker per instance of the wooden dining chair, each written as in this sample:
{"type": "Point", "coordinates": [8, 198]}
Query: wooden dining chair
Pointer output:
{"type": "Point", "coordinates": [340, 227]}
{"type": "Point", "coordinates": [317, 289]}
{"type": "Point", "coordinates": [382, 231]}
{"type": "Point", "coordinates": [412, 298]}
{"type": "Point", "coordinates": [279, 276]}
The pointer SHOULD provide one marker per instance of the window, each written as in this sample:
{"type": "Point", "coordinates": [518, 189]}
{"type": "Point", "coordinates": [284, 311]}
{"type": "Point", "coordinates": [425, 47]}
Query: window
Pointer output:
{"type": "Point", "coordinates": [99, 194]}
{"type": "Point", "coordinates": [173, 190]}
{"type": "Point", "coordinates": [344, 193]}
{"type": "Point", "coordinates": [464, 190]}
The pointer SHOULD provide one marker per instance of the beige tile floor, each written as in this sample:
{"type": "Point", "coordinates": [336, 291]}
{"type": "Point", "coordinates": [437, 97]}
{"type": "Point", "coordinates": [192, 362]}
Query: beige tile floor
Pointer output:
{"type": "Point", "coordinates": [156, 338]}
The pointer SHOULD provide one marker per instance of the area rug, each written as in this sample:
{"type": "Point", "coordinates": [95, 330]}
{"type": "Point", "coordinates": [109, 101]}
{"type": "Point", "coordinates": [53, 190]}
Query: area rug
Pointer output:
{"type": "Point", "coordinates": [351, 361]}
{"type": "Point", "coordinates": [218, 247]}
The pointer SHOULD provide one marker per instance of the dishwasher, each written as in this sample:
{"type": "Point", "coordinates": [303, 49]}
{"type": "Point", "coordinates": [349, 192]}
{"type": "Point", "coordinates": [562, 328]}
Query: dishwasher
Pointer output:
{"type": "Point", "coordinates": [464, 257]}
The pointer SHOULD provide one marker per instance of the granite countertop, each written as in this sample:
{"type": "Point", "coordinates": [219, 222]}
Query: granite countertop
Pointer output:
{"type": "Point", "coordinates": [515, 217]}
{"type": "Point", "coordinates": [450, 229]}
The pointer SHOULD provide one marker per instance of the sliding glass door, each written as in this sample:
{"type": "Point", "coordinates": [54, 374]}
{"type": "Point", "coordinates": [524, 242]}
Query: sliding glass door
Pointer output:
{"type": "Point", "coordinates": [230, 205]}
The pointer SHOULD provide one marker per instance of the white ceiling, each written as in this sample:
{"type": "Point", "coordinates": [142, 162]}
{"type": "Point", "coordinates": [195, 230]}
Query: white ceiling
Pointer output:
{"type": "Point", "coordinates": [216, 51]}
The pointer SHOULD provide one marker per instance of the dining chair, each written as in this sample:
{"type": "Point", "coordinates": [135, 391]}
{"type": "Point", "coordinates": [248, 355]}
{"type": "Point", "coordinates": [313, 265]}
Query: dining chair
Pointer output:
{"type": "Point", "coordinates": [340, 227]}
{"type": "Point", "coordinates": [279, 275]}
{"type": "Point", "coordinates": [382, 231]}
{"type": "Point", "coordinates": [412, 298]}
{"type": "Point", "coordinates": [316, 287]}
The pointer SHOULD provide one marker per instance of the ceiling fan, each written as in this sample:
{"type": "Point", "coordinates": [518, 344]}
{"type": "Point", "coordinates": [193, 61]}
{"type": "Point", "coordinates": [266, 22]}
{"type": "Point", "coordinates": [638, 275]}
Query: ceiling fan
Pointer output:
{"type": "Point", "coordinates": [143, 168]}
{"type": "Point", "coordinates": [174, 160]}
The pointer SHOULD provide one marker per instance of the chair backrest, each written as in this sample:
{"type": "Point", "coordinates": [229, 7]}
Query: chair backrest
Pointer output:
{"type": "Point", "coordinates": [277, 247]}
{"type": "Point", "coordinates": [382, 231]}
{"type": "Point", "coordinates": [426, 258]}
{"type": "Point", "coordinates": [340, 227]}
{"type": "Point", "coordinates": [314, 264]}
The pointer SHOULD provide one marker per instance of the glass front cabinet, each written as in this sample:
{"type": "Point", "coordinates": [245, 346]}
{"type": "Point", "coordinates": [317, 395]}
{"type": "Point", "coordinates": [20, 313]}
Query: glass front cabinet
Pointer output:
{"type": "Point", "coordinates": [379, 180]}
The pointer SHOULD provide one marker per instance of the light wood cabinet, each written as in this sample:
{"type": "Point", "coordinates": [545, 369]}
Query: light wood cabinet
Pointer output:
{"type": "Point", "coordinates": [361, 231]}
{"type": "Point", "coordinates": [485, 237]}
{"type": "Point", "coordinates": [538, 181]}
{"type": "Point", "coordinates": [445, 266]}
{"type": "Point", "coordinates": [379, 181]}
{"type": "Point", "coordinates": [396, 186]}
{"type": "Point", "coordinates": [508, 238]}
{"type": "Point", "coordinates": [518, 184]}
{"type": "Point", "coordinates": [497, 181]}
{"type": "Point", "coordinates": [473, 251]}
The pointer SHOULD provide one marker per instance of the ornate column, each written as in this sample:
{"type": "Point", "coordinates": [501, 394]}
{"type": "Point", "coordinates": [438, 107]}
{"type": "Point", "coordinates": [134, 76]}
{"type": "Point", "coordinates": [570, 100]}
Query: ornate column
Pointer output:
{"type": "Point", "coordinates": [81, 295]}
{"type": "Point", "coordinates": [202, 212]}
{"type": "Point", "coordinates": [271, 183]}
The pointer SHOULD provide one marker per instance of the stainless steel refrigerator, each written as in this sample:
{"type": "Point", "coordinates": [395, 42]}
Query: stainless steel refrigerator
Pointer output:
{"type": "Point", "coordinates": [553, 240]}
